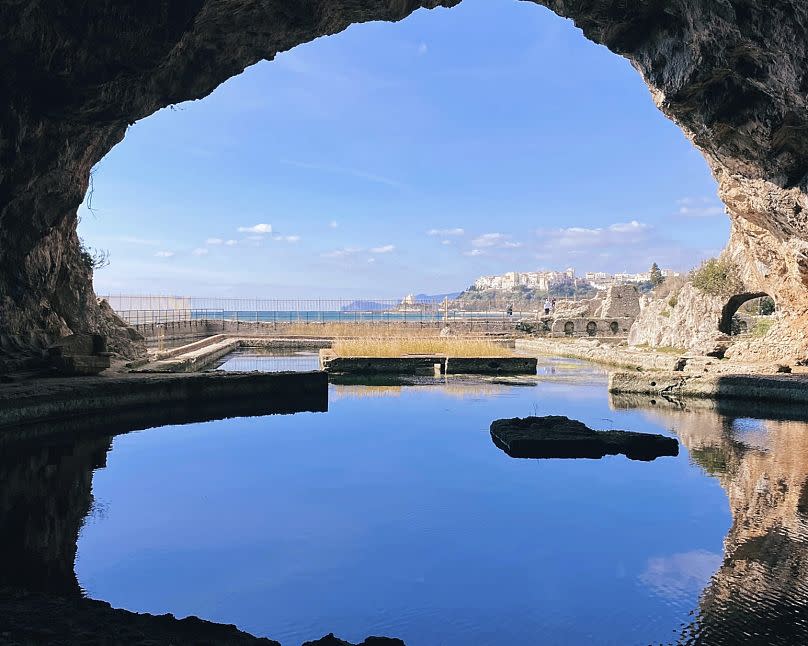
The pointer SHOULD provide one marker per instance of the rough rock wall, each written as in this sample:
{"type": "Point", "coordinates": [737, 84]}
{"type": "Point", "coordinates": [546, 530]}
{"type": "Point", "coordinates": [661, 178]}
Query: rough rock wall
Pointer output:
{"type": "Point", "coordinates": [46, 494]}
{"type": "Point", "coordinates": [688, 320]}
{"type": "Point", "coordinates": [621, 301]}
{"type": "Point", "coordinates": [731, 73]}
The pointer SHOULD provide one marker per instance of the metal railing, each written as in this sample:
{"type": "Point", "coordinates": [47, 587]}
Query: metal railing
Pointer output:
{"type": "Point", "coordinates": [145, 310]}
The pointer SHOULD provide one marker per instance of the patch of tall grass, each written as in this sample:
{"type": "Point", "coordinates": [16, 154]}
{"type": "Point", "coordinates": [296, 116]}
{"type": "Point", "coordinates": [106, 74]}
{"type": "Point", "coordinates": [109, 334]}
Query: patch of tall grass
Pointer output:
{"type": "Point", "coordinates": [399, 347]}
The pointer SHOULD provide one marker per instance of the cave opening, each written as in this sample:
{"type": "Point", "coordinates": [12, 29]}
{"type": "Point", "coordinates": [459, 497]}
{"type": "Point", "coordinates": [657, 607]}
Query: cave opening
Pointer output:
{"type": "Point", "coordinates": [740, 311]}
{"type": "Point", "coordinates": [187, 233]}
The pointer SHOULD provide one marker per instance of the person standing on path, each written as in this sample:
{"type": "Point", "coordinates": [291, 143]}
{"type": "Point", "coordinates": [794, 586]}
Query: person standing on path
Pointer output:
{"type": "Point", "coordinates": [547, 306]}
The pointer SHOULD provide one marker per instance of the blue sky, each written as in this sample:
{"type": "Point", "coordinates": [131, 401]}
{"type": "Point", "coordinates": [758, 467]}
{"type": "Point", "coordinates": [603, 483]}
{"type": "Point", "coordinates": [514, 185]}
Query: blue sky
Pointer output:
{"type": "Point", "coordinates": [407, 157]}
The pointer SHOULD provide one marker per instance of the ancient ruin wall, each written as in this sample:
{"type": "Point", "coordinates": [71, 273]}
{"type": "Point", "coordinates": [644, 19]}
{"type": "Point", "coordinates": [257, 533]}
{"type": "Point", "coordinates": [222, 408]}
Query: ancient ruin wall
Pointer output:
{"type": "Point", "coordinates": [732, 74]}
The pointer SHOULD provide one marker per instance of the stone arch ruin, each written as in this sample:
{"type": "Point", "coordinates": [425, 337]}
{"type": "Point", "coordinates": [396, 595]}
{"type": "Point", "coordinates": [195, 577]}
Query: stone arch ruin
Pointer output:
{"type": "Point", "coordinates": [731, 74]}
{"type": "Point", "coordinates": [728, 312]}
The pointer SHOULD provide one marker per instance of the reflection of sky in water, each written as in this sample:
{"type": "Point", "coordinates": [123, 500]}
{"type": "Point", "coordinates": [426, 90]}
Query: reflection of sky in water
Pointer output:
{"type": "Point", "coordinates": [751, 432]}
{"type": "Point", "coordinates": [680, 575]}
{"type": "Point", "coordinates": [255, 360]}
{"type": "Point", "coordinates": [398, 516]}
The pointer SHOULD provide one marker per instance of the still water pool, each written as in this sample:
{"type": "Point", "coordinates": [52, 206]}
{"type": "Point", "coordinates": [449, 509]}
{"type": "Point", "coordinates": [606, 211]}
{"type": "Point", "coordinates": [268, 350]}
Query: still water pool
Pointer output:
{"type": "Point", "coordinates": [394, 514]}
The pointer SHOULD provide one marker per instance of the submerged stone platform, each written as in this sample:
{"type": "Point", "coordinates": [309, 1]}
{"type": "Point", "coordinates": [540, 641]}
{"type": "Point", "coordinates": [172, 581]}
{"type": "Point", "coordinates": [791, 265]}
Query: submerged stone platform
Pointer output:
{"type": "Point", "coordinates": [561, 437]}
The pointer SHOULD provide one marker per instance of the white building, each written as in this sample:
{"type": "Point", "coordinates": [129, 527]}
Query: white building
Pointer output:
{"type": "Point", "coordinates": [540, 280]}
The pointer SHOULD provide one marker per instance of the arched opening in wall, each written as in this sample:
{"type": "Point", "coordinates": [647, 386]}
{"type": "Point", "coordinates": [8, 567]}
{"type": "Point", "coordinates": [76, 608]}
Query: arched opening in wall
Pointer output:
{"type": "Point", "coordinates": [225, 197]}
{"type": "Point", "coordinates": [744, 312]}
{"type": "Point", "coordinates": [591, 328]}
{"type": "Point", "coordinates": [569, 328]}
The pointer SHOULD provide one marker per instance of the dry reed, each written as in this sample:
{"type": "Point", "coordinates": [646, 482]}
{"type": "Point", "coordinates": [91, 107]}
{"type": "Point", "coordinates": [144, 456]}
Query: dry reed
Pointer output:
{"type": "Point", "coordinates": [399, 347]}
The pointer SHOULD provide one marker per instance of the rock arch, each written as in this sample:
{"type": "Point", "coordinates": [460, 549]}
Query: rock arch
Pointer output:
{"type": "Point", "coordinates": [731, 309]}
{"type": "Point", "coordinates": [732, 75]}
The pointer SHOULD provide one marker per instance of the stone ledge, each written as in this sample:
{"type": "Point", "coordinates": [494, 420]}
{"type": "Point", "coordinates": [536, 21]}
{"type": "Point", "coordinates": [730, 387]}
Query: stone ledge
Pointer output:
{"type": "Point", "coordinates": [751, 388]}
{"type": "Point", "coordinates": [49, 400]}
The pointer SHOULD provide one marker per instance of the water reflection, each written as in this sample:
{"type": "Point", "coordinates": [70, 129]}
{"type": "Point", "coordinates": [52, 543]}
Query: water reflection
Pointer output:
{"type": "Point", "coordinates": [759, 592]}
{"type": "Point", "coordinates": [756, 592]}
{"type": "Point", "coordinates": [44, 499]}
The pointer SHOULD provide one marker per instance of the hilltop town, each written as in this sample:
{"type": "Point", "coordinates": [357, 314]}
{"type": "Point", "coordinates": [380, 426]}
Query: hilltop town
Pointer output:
{"type": "Point", "coordinates": [545, 280]}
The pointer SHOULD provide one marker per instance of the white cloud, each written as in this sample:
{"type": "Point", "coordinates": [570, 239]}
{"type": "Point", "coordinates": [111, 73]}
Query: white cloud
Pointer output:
{"type": "Point", "coordinates": [333, 224]}
{"type": "Point", "coordinates": [494, 240]}
{"type": "Point", "coordinates": [371, 260]}
{"type": "Point", "coordinates": [446, 242]}
{"type": "Point", "coordinates": [231, 243]}
{"type": "Point", "coordinates": [474, 252]}
{"type": "Point", "coordinates": [261, 229]}
{"type": "Point", "coordinates": [164, 254]}
{"type": "Point", "coordinates": [214, 241]}
{"type": "Point", "coordinates": [616, 235]}
{"type": "Point", "coordinates": [293, 238]}
{"type": "Point", "coordinates": [628, 227]}
{"type": "Point", "coordinates": [200, 251]}
{"type": "Point", "coordinates": [446, 232]}
{"type": "Point", "coordinates": [388, 248]}
{"type": "Point", "coordinates": [699, 207]}
{"type": "Point", "coordinates": [341, 253]}
{"type": "Point", "coordinates": [423, 48]}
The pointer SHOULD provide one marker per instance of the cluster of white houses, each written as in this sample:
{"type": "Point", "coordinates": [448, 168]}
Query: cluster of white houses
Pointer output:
{"type": "Point", "coordinates": [544, 280]}
{"type": "Point", "coordinates": [541, 280]}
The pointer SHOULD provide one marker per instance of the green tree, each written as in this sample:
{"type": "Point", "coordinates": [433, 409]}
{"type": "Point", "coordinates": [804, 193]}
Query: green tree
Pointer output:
{"type": "Point", "coordinates": [656, 275]}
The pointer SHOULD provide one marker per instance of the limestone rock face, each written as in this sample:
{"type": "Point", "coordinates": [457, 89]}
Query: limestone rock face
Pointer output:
{"type": "Point", "coordinates": [689, 322]}
{"type": "Point", "coordinates": [73, 76]}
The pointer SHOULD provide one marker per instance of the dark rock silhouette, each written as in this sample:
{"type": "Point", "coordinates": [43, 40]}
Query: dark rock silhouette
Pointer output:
{"type": "Point", "coordinates": [330, 640]}
{"type": "Point", "coordinates": [561, 437]}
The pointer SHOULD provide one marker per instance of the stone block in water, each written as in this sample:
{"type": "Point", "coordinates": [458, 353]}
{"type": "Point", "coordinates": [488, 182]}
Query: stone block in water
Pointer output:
{"type": "Point", "coordinates": [561, 437]}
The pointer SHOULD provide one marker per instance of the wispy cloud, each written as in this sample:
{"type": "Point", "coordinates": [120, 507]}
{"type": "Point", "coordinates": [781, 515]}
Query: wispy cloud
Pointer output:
{"type": "Point", "coordinates": [333, 224]}
{"type": "Point", "coordinates": [474, 252]}
{"type": "Point", "coordinates": [423, 48]}
{"type": "Point", "coordinates": [200, 251]}
{"type": "Point", "coordinates": [494, 240]}
{"type": "Point", "coordinates": [260, 229]}
{"type": "Point", "coordinates": [231, 243]}
{"type": "Point", "coordinates": [340, 170]}
{"type": "Point", "coordinates": [446, 232]}
{"type": "Point", "coordinates": [292, 238]}
{"type": "Point", "coordinates": [617, 234]}
{"type": "Point", "coordinates": [388, 248]}
{"type": "Point", "coordinates": [341, 253]}
{"type": "Point", "coordinates": [214, 241]}
{"type": "Point", "coordinates": [699, 207]}
{"type": "Point", "coordinates": [164, 254]}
